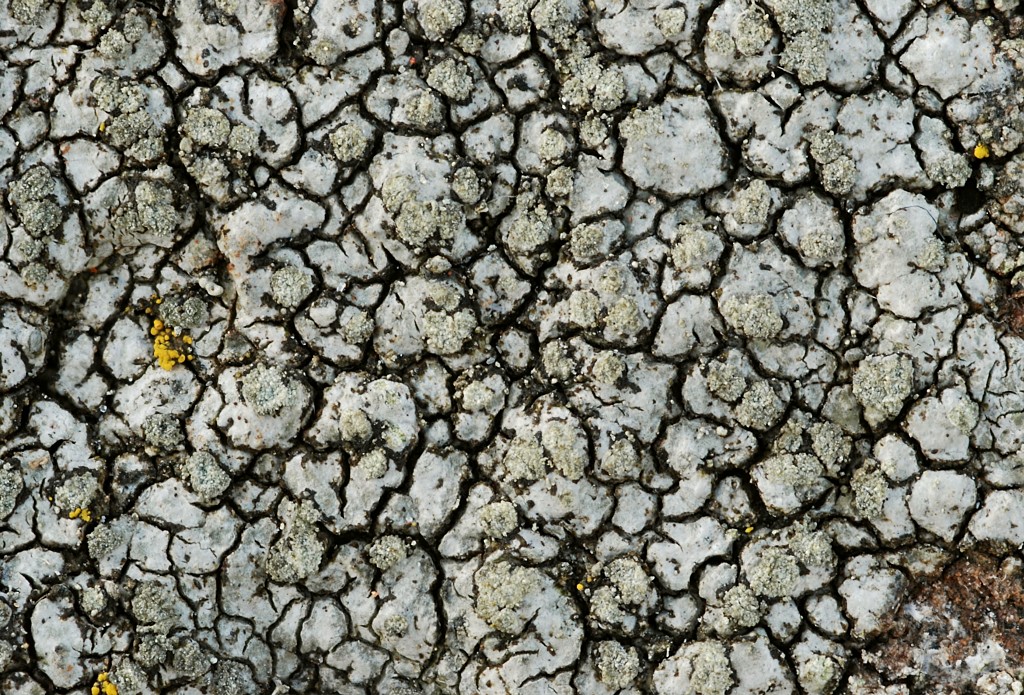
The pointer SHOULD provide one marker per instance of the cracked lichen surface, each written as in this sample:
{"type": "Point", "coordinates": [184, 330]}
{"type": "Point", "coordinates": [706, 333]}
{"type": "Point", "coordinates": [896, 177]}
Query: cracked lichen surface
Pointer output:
{"type": "Point", "coordinates": [514, 346]}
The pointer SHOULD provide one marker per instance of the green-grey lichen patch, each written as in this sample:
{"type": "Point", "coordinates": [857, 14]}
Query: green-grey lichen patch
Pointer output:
{"type": "Point", "coordinates": [33, 198]}
{"type": "Point", "coordinates": [356, 326]}
{"type": "Point", "coordinates": [189, 659]}
{"type": "Point", "coordinates": [837, 168]}
{"type": "Point", "coordinates": [6, 654]}
{"type": "Point", "coordinates": [156, 209]}
{"type": "Point", "coordinates": [618, 666]}
{"type": "Point", "coordinates": [188, 313]}
{"type": "Point", "coordinates": [695, 253]}
{"type": "Point", "coordinates": [440, 18]}
{"type": "Point", "coordinates": [11, 486]}
{"type": "Point", "coordinates": [830, 445]}
{"type": "Point", "coordinates": [387, 551]}
{"type": "Point", "coordinates": [298, 552]}
{"type": "Point", "coordinates": [741, 607]}
{"type": "Point", "coordinates": [752, 203]}
{"type": "Point", "coordinates": [870, 489]}
{"type": "Point", "coordinates": [839, 175]}
{"type": "Point", "coordinates": [350, 141]}
{"type": "Point", "coordinates": [131, 128]}
{"type": "Point", "coordinates": [812, 548]}
{"type": "Point", "coordinates": [129, 677]}
{"type": "Point", "coordinates": [554, 146]}
{"type": "Point", "coordinates": [711, 672]}
{"type": "Point", "coordinates": [423, 110]}
{"type": "Point", "coordinates": [670, 21]}
{"type": "Point", "coordinates": [726, 381]}
{"type": "Point", "coordinates": [821, 245]}
{"type": "Point", "coordinates": [526, 234]}
{"type": "Point", "coordinates": [964, 413]}
{"type": "Point", "coordinates": [206, 476]}
{"type": "Point", "coordinates": [163, 431]}
{"type": "Point", "coordinates": [396, 190]}
{"type": "Point", "coordinates": [775, 574]}
{"type": "Point", "coordinates": [559, 183]}
{"type": "Point", "coordinates": [525, 459]}
{"type": "Point", "coordinates": [623, 318]}
{"type": "Point", "coordinates": [394, 626]}
{"type": "Point", "coordinates": [27, 11]}
{"type": "Point", "coordinates": [882, 385]}
{"type": "Point", "coordinates": [819, 673]}
{"type": "Point", "coordinates": [608, 368]}
{"type": "Point", "coordinates": [153, 606]}
{"type": "Point", "coordinates": [373, 465]}
{"type": "Point", "coordinates": [515, 15]}
{"type": "Point", "coordinates": [753, 315]}
{"type": "Point", "coordinates": [148, 211]}
{"type": "Point", "coordinates": [152, 650]}
{"type": "Point", "coordinates": [451, 78]}
{"type": "Point", "coordinates": [795, 16]}
{"type": "Point", "coordinates": [206, 127]}
{"type": "Point", "coordinates": [480, 396]}
{"type": "Point", "coordinates": [79, 491]}
{"type": "Point", "coordinates": [447, 334]}
{"type": "Point", "coordinates": [806, 55]}
{"type": "Point", "coordinates": [566, 447]}
{"type": "Point", "coordinates": [788, 481]}
{"type": "Point", "coordinates": [605, 606]}
{"type": "Point", "coordinates": [429, 224]}
{"type": "Point", "coordinates": [354, 427]}
{"type": "Point", "coordinates": [557, 360]}
{"type": "Point", "coordinates": [290, 286]}
{"type": "Point", "coordinates": [610, 90]}
{"type": "Point", "coordinates": [760, 407]}
{"type": "Point", "coordinates": [243, 139]}
{"type": "Point", "coordinates": [466, 185]}
{"type": "Point", "coordinates": [630, 578]}
{"type": "Point", "coordinates": [586, 240]}
{"type": "Point", "coordinates": [498, 519]}
{"type": "Point", "coordinates": [751, 31]}
{"type": "Point", "coordinates": [119, 42]}
{"type": "Point", "coordinates": [267, 389]}
{"type": "Point", "coordinates": [105, 540]}
{"type": "Point", "coordinates": [501, 591]}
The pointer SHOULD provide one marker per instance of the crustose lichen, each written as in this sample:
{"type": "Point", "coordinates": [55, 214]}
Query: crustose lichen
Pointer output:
{"type": "Point", "coordinates": [171, 345]}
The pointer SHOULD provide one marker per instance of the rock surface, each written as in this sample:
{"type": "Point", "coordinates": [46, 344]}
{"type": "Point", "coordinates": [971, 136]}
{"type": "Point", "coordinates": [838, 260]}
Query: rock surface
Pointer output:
{"type": "Point", "coordinates": [511, 346]}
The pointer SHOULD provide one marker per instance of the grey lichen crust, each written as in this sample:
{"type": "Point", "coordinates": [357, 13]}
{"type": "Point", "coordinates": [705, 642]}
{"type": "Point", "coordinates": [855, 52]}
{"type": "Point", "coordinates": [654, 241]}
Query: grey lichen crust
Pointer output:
{"type": "Point", "coordinates": [511, 346]}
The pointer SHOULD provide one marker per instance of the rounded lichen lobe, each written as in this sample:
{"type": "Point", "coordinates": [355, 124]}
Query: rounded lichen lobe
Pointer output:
{"type": "Point", "coordinates": [498, 519]}
{"type": "Point", "coordinates": [290, 286]}
{"type": "Point", "coordinates": [267, 389]}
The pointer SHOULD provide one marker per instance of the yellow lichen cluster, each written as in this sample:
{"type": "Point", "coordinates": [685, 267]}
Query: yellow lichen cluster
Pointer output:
{"type": "Point", "coordinates": [170, 345]}
{"type": "Point", "coordinates": [103, 686]}
{"type": "Point", "coordinates": [981, 151]}
{"type": "Point", "coordinates": [81, 513]}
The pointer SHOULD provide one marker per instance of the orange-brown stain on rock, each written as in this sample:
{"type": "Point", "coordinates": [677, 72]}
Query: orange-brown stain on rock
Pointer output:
{"type": "Point", "coordinates": [945, 620]}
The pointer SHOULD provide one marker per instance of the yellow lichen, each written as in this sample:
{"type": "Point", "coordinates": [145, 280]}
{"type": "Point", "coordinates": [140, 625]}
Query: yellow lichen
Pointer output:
{"type": "Point", "coordinates": [103, 686]}
{"type": "Point", "coordinates": [81, 513]}
{"type": "Point", "coordinates": [981, 151]}
{"type": "Point", "coordinates": [170, 346]}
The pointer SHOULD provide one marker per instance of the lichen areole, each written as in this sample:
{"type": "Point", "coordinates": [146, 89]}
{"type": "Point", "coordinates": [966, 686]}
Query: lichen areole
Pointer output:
{"type": "Point", "coordinates": [171, 345]}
